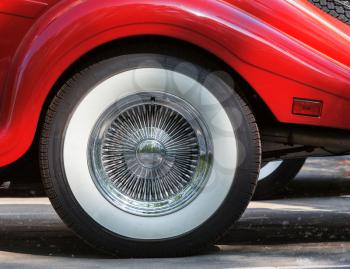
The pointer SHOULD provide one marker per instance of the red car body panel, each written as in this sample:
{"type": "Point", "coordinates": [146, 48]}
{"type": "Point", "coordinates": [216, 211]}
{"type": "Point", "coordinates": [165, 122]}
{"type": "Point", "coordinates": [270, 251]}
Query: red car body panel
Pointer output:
{"type": "Point", "coordinates": [282, 48]}
{"type": "Point", "coordinates": [23, 8]}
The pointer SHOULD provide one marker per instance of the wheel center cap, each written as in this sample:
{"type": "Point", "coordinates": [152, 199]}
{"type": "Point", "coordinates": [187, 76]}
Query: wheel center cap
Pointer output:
{"type": "Point", "coordinates": [150, 153]}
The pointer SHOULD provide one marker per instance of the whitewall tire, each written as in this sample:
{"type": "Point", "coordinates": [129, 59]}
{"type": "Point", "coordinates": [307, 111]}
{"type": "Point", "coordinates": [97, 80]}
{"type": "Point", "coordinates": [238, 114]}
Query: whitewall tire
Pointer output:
{"type": "Point", "coordinates": [148, 153]}
{"type": "Point", "coordinates": [275, 176]}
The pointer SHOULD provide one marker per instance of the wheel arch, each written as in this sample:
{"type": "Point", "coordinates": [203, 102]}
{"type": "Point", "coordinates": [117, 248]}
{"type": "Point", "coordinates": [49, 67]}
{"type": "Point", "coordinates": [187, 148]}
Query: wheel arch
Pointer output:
{"type": "Point", "coordinates": [173, 47]}
{"type": "Point", "coordinates": [59, 40]}
{"type": "Point", "coordinates": [144, 43]}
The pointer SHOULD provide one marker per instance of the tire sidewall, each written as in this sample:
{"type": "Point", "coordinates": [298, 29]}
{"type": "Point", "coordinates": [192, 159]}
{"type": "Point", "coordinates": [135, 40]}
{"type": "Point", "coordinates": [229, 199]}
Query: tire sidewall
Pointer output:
{"type": "Point", "coordinates": [248, 154]}
{"type": "Point", "coordinates": [275, 183]}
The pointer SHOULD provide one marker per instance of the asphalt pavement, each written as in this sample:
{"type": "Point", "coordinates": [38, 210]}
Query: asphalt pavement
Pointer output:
{"type": "Point", "coordinates": [308, 229]}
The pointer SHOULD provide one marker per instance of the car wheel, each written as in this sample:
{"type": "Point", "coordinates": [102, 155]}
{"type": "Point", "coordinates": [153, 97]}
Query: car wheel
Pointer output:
{"type": "Point", "coordinates": [339, 9]}
{"type": "Point", "coordinates": [149, 155]}
{"type": "Point", "coordinates": [275, 176]}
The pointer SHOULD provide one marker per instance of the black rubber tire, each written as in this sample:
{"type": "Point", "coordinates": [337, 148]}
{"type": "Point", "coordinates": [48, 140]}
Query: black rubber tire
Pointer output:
{"type": "Point", "coordinates": [63, 200]}
{"type": "Point", "coordinates": [337, 8]}
{"type": "Point", "coordinates": [2, 177]}
{"type": "Point", "coordinates": [275, 184]}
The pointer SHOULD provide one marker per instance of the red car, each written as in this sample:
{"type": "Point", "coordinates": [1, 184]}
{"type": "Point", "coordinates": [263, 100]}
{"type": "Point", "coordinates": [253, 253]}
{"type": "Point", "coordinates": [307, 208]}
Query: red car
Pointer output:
{"type": "Point", "coordinates": [151, 118]}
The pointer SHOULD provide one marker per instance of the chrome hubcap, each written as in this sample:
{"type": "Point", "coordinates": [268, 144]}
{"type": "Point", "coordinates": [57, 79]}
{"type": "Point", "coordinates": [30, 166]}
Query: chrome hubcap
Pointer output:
{"type": "Point", "coordinates": [150, 154]}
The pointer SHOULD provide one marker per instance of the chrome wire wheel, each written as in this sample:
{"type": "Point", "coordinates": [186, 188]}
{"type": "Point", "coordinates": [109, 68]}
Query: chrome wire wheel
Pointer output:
{"type": "Point", "coordinates": [146, 153]}
{"type": "Point", "coordinates": [150, 154]}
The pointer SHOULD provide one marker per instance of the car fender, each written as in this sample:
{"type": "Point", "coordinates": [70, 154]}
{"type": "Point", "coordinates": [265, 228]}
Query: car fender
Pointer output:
{"type": "Point", "coordinates": [269, 59]}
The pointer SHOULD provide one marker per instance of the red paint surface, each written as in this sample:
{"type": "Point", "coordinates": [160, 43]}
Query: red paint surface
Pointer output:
{"type": "Point", "coordinates": [23, 8]}
{"type": "Point", "coordinates": [283, 48]}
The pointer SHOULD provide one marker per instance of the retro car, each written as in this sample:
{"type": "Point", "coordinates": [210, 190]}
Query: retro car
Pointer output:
{"type": "Point", "coordinates": [150, 119]}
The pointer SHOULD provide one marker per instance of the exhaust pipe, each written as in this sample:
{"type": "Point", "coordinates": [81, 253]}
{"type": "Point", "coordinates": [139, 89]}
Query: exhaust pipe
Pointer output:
{"type": "Point", "coordinates": [308, 136]}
